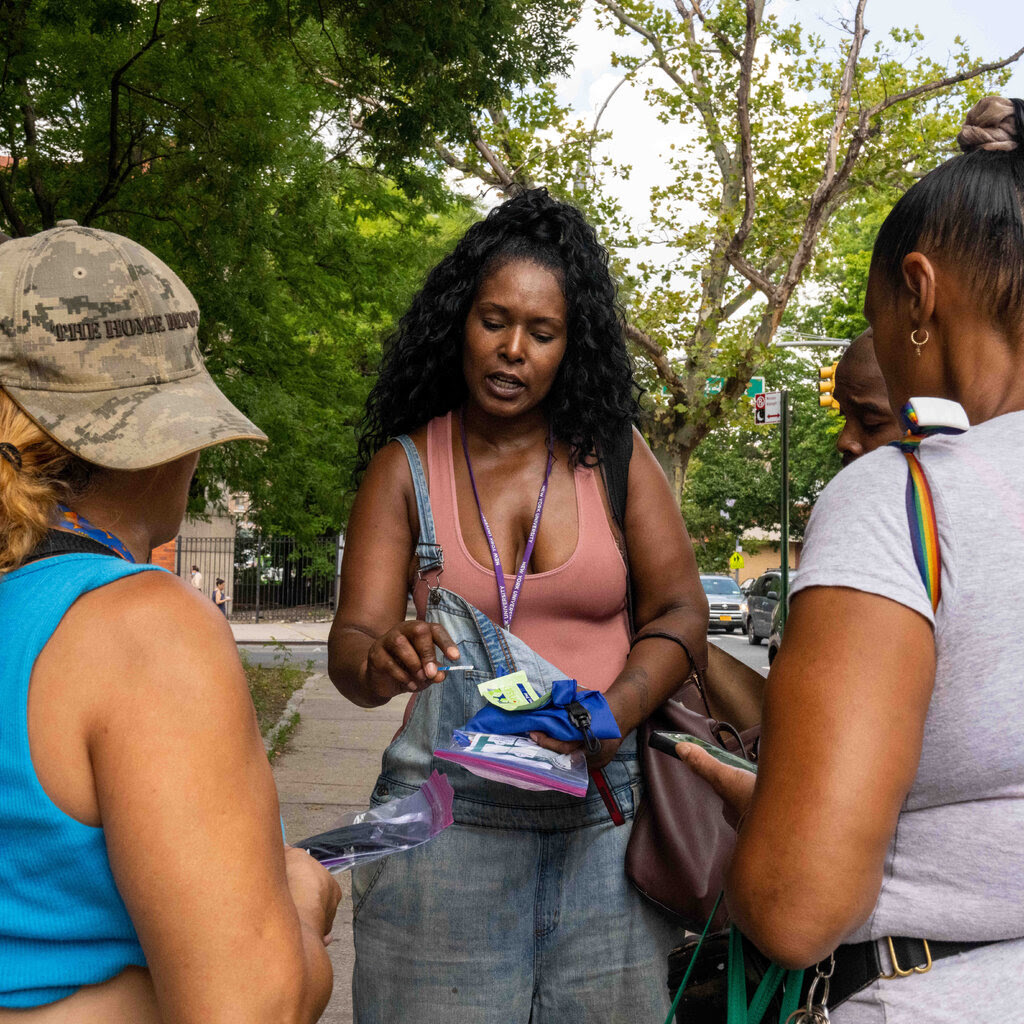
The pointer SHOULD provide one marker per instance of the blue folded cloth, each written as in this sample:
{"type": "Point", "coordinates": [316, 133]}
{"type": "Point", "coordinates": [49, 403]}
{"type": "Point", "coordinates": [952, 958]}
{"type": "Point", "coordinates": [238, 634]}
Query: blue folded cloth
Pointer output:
{"type": "Point", "coordinates": [552, 719]}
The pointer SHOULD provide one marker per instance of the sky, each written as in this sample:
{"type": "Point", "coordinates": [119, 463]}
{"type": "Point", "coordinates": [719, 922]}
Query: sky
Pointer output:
{"type": "Point", "coordinates": [991, 28]}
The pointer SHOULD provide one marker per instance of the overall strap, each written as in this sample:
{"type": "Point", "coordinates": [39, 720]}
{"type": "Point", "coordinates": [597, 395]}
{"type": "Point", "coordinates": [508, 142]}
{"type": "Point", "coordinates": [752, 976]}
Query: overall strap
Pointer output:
{"type": "Point", "coordinates": [428, 551]}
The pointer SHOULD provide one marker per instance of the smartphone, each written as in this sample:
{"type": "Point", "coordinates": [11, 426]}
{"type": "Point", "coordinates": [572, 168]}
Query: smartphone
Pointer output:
{"type": "Point", "coordinates": [666, 743]}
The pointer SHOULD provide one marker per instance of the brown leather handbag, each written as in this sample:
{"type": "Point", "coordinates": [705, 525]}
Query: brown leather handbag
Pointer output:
{"type": "Point", "coordinates": [681, 844]}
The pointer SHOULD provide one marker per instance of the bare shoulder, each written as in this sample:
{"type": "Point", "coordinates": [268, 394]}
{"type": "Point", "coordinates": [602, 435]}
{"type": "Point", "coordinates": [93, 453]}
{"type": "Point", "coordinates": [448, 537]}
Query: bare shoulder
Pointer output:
{"type": "Point", "coordinates": [645, 471]}
{"type": "Point", "coordinates": [151, 639]}
{"type": "Point", "coordinates": [387, 485]}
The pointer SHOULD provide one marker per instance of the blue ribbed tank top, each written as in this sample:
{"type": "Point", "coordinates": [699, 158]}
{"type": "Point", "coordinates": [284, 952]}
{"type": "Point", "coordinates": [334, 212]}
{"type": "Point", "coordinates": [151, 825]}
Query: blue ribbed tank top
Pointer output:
{"type": "Point", "coordinates": [63, 923]}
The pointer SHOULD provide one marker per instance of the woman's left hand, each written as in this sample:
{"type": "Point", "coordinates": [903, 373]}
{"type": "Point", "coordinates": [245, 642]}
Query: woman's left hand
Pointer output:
{"type": "Point", "coordinates": [734, 785]}
{"type": "Point", "coordinates": [609, 748]}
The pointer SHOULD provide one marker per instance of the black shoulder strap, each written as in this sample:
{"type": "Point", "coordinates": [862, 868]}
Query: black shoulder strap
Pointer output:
{"type": "Point", "coordinates": [615, 458]}
{"type": "Point", "coordinates": [615, 464]}
{"type": "Point", "coordinates": [60, 542]}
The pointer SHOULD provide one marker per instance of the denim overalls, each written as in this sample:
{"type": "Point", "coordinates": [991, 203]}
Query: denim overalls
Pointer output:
{"type": "Point", "coordinates": [521, 911]}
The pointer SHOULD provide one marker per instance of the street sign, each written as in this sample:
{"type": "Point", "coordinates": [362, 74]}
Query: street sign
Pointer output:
{"type": "Point", "coordinates": [735, 561]}
{"type": "Point", "coordinates": [714, 386]}
{"type": "Point", "coordinates": [759, 402]}
{"type": "Point", "coordinates": [768, 408]}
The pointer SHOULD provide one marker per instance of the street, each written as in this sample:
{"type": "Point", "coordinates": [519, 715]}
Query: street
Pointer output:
{"type": "Point", "coordinates": [736, 645]}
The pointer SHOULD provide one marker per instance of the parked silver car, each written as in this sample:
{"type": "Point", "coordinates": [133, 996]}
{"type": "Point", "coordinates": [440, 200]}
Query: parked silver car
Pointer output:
{"type": "Point", "coordinates": [727, 607]}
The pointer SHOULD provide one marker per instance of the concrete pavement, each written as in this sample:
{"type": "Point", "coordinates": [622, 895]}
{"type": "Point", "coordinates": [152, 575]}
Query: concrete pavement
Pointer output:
{"type": "Point", "coordinates": [280, 632]}
{"type": "Point", "coordinates": [328, 769]}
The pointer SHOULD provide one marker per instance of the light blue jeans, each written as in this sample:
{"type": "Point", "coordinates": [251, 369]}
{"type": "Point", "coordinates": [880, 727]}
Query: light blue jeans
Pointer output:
{"type": "Point", "coordinates": [520, 912]}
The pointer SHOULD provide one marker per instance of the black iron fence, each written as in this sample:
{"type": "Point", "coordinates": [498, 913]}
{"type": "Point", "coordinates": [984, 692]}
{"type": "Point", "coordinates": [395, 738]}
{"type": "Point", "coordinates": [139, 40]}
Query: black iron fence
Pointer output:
{"type": "Point", "coordinates": [266, 578]}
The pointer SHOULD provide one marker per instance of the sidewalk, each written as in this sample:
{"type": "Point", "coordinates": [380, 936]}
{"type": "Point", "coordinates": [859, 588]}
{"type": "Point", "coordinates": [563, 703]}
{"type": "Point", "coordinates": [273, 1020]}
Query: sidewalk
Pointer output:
{"type": "Point", "coordinates": [328, 769]}
{"type": "Point", "coordinates": [281, 632]}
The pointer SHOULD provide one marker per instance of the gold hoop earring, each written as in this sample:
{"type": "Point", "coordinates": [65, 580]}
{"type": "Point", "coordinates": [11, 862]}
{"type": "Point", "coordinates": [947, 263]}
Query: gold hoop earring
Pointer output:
{"type": "Point", "coordinates": [918, 345]}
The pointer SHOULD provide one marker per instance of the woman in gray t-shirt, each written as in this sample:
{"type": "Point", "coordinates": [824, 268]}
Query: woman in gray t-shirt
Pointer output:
{"type": "Point", "coordinates": [890, 796]}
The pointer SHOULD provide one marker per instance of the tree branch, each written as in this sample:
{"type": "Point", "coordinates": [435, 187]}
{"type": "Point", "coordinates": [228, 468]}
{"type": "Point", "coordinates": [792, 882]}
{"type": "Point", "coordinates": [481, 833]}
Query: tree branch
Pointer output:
{"type": "Point", "coordinates": [7, 202]}
{"type": "Point", "coordinates": [832, 186]}
{"type": "Point", "coordinates": [503, 173]}
{"type": "Point", "coordinates": [454, 162]}
{"type": "Point", "coordinates": [723, 41]}
{"type": "Point", "coordinates": [114, 160]}
{"type": "Point", "coordinates": [44, 203]}
{"type": "Point", "coordinates": [761, 282]}
{"type": "Point", "coordinates": [845, 91]}
{"type": "Point", "coordinates": [754, 9]}
{"type": "Point", "coordinates": [940, 83]}
{"type": "Point", "coordinates": [656, 354]}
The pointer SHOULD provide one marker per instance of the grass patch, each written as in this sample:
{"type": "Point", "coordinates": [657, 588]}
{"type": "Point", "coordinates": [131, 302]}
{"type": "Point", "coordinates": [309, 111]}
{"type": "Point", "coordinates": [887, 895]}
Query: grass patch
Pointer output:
{"type": "Point", "coordinates": [271, 686]}
{"type": "Point", "coordinates": [283, 736]}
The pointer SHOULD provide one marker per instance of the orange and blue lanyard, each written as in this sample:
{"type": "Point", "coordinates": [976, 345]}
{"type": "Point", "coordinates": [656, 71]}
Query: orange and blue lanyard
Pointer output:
{"type": "Point", "coordinates": [73, 522]}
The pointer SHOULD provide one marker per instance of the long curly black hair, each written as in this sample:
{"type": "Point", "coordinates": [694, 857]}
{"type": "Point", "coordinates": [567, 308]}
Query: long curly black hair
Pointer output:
{"type": "Point", "coordinates": [421, 377]}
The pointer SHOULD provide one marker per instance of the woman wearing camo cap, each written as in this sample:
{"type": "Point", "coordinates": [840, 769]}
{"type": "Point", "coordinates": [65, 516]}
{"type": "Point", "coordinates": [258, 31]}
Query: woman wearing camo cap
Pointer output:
{"type": "Point", "coordinates": [887, 818]}
{"type": "Point", "coordinates": [143, 876]}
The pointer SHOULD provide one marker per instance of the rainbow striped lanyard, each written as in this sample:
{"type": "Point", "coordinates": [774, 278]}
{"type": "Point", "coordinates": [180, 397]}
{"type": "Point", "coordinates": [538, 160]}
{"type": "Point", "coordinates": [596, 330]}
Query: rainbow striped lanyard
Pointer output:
{"type": "Point", "coordinates": [924, 527]}
{"type": "Point", "coordinates": [72, 522]}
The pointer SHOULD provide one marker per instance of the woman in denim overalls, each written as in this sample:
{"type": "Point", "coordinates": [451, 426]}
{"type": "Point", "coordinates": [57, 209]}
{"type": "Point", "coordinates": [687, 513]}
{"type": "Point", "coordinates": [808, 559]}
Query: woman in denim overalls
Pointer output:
{"type": "Point", "coordinates": [511, 354]}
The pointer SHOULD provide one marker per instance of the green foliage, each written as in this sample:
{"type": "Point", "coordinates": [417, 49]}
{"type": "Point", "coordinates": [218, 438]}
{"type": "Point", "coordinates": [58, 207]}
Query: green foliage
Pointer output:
{"type": "Point", "coordinates": [738, 213]}
{"type": "Point", "coordinates": [232, 139]}
{"type": "Point", "coordinates": [741, 463]}
{"type": "Point", "coordinates": [834, 306]}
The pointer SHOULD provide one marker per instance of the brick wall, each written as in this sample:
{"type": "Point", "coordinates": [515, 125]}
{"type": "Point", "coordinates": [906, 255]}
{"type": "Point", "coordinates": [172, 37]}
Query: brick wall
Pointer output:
{"type": "Point", "coordinates": [165, 556]}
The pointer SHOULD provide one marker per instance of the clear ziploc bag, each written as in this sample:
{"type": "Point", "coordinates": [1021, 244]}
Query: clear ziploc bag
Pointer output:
{"type": "Point", "coordinates": [380, 831]}
{"type": "Point", "coordinates": [517, 761]}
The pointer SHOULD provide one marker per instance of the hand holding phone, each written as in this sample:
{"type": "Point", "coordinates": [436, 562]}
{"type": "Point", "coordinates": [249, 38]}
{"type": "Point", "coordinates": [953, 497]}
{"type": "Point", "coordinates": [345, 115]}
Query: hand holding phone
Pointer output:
{"type": "Point", "coordinates": [666, 743]}
{"type": "Point", "coordinates": [717, 767]}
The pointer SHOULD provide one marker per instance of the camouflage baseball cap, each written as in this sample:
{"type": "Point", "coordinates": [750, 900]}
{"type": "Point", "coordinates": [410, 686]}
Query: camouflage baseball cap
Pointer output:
{"type": "Point", "coordinates": [98, 345]}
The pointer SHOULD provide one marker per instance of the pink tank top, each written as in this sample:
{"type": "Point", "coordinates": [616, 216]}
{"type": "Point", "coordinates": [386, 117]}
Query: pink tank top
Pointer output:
{"type": "Point", "coordinates": [573, 616]}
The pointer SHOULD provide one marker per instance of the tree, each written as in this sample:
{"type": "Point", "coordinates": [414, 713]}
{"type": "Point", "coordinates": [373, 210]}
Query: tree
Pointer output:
{"type": "Point", "coordinates": [783, 135]}
{"type": "Point", "coordinates": [737, 469]}
{"type": "Point", "coordinates": [243, 142]}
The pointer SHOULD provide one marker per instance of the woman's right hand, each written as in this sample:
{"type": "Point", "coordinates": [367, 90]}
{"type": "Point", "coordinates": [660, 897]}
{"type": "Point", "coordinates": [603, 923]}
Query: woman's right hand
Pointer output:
{"type": "Point", "coordinates": [404, 659]}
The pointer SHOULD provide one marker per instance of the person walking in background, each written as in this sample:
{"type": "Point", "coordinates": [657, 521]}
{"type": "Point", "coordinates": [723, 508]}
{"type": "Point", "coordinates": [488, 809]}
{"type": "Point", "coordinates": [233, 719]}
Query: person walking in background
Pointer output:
{"type": "Point", "coordinates": [196, 579]}
{"type": "Point", "coordinates": [887, 816]}
{"type": "Point", "coordinates": [220, 599]}
{"type": "Point", "coordinates": [860, 390]}
{"type": "Point", "coordinates": [509, 373]}
{"type": "Point", "coordinates": [143, 877]}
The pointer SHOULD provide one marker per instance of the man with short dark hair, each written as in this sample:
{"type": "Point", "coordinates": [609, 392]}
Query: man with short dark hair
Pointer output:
{"type": "Point", "coordinates": [863, 402]}
{"type": "Point", "coordinates": [196, 578]}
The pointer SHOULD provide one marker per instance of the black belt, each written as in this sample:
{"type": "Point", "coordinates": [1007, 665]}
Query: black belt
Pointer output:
{"type": "Point", "coordinates": [856, 967]}
{"type": "Point", "coordinates": [859, 964]}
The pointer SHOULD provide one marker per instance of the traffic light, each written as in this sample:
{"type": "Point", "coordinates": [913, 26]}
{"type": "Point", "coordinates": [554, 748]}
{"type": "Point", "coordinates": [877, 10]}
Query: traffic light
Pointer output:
{"type": "Point", "coordinates": [827, 386]}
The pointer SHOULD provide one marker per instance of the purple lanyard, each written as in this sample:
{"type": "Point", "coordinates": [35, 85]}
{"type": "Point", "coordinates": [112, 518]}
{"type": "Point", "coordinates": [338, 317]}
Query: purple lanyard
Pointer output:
{"type": "Point", "coordinates": [75, 523]}
{"type": "Point", "coordinates": [508, 606]}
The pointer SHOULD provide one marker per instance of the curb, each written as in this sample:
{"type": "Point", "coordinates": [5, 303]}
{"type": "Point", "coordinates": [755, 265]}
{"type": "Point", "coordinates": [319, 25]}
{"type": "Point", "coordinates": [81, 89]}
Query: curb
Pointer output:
{"type": "Point", "coordinates": [277, 643]}
{"type": "Point", "coordinates": [290, 709]}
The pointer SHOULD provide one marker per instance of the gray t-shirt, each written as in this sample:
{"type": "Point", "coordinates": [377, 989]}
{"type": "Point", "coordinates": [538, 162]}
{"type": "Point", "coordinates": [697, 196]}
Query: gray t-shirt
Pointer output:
{"type": "Point", "coordinates": [955, 866]}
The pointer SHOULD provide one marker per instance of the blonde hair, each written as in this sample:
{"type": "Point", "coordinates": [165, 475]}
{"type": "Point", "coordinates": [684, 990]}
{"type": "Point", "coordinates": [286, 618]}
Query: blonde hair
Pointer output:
{"type": "Point", "coordinates": [29, 493]}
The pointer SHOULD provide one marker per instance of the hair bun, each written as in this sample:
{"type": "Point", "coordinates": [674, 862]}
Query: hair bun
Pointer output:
{"type": "Point", "coordinates": [991, 124]}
